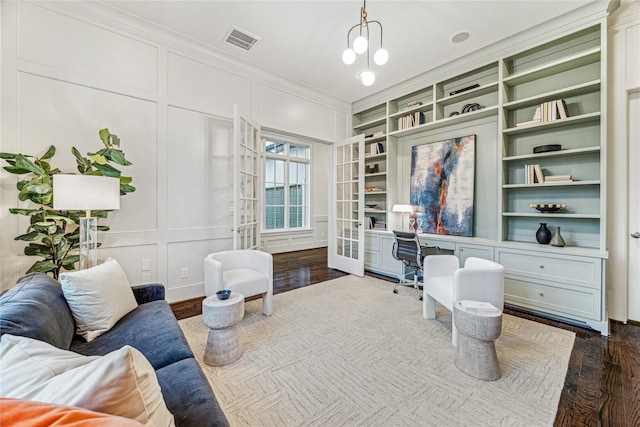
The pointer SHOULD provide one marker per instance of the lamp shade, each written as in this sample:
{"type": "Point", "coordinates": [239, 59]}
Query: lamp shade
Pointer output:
{"type": "Point", "coordinates": [85, 192]}
{"type": "Point", "coordinates": [403, 208]}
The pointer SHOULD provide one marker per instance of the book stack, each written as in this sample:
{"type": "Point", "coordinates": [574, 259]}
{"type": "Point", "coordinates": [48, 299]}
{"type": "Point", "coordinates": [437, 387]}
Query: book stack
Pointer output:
{"type": "Point", "coordinates": [533, 174]}
{"type": "Point", "coordinates": [411, 120]}
{"type": "Point", "coordinates": [376, 148]}
{"type": "Point", "coordinates": [548, 112]}
{"type": "Point", "coordinates": [558, 178]}
{"type": "Point", "coordinates": [373, 189]}
{"type": "Point", "coordinates": [379, 226]}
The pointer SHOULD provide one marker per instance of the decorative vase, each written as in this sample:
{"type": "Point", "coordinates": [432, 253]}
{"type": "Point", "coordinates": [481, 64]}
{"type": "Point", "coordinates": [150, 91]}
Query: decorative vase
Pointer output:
{"type": "Point", "coordinates": [543, 235]}
{"type": "Point", "coordinates": [557, 239]}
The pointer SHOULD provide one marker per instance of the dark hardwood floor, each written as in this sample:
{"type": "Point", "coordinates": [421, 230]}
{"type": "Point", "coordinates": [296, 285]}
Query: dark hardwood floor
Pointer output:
{"type": "Point", "coordinates": [602, 386]}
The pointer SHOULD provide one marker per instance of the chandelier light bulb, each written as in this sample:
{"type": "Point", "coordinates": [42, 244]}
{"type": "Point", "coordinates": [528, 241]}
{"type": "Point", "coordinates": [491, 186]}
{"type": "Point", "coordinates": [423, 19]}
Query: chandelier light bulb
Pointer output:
{"type": "Point", "coordinates": [367, 78]}
{"type": "Point", "coordinates": [381, 57]}
{"type": "Point", "coordinates": [349, 56]}
{"type": "Point", "coordinates": [360, 44]}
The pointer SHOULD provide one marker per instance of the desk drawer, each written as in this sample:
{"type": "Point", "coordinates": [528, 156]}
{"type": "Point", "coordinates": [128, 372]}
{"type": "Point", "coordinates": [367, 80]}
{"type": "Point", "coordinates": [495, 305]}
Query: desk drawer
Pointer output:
{"type": "Point", "coordinates": [562, 301]}
{"type": "Point", "coordinates": [565, 269]}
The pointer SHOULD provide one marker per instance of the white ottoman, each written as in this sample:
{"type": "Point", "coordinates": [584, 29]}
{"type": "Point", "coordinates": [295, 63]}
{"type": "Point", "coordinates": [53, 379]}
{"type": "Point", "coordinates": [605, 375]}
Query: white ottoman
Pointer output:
{"type": "Point", "coordinates": [222, 318]}
{"type": "Point", "coordinates": [478, 324]}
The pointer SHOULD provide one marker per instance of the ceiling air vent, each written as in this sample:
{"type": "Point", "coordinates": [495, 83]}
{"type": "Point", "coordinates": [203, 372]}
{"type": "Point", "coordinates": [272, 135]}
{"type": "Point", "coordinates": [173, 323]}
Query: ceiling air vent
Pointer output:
{"type": "Point", "coordinates": [240, 38]}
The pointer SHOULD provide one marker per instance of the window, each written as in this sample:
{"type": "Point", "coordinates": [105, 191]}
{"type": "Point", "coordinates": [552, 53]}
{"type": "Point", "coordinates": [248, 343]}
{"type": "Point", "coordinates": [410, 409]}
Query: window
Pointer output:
{"type": "Point", "coordinates": [286, 185]}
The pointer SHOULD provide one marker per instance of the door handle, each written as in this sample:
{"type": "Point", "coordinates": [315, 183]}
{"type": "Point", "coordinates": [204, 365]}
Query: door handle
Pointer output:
{"type": "Point", "coordinates": [636, 235]}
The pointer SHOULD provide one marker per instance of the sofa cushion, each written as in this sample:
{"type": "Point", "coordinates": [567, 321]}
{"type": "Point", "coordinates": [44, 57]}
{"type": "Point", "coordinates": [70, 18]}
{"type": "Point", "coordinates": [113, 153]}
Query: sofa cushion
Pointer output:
{"type": "Point", "coordinates": [36, 308]}
{"type": "Point", "coordinates": [151, 328]}
{"type": "Point", "coordinates": [188, 395]}
{"type": "Point", "coordinates": [98, 297]}
{"type": "Point", "coordinates": [120, 383]}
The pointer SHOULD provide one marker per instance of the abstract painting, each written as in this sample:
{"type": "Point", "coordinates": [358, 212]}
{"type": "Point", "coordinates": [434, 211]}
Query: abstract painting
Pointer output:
{"type": "Point", "coordinates": [442, 186]}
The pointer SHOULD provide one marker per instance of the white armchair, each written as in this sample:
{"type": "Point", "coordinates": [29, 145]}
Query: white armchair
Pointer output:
{"type": "Point", "coordinates": [249, 272]}
{"type": "Point", "coordinates": [446, 282]}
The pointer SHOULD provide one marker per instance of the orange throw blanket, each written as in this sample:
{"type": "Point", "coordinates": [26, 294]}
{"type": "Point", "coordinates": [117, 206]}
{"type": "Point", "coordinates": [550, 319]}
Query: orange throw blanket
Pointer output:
{"type": "Point", "coordinates": [25, 413]}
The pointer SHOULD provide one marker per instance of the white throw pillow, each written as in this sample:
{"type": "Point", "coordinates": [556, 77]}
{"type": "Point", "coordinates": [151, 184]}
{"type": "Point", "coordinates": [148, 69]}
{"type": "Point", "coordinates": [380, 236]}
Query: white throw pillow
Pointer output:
{"type": "Point", "coordinates": [122, 382]}
{"type": "Point", "coordinates": [98, 297]}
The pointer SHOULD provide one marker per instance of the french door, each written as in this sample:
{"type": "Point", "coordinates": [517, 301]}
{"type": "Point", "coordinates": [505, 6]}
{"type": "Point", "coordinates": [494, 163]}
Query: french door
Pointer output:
{"type": "Point", "coordinates": [346, 234]}
{"type": "Point", "coordinates": [246, 171]}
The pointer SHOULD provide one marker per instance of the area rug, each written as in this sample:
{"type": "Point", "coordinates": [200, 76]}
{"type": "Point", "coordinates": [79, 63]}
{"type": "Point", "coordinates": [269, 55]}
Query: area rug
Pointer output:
{"type": "Point", "coordinates": [349, 352]}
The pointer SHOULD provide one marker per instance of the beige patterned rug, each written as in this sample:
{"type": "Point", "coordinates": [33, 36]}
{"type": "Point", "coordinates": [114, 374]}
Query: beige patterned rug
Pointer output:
{"type": "Point", "coordinates": [348, 352]}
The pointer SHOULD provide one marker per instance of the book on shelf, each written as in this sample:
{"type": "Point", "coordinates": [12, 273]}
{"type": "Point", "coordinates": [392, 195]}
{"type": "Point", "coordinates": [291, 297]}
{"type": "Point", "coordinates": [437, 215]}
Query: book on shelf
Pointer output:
{"type": "Point", "coordinates": [411, 120]}
{"type": "Point", "coordinates": [373, 189]}
{"type": "Point", "coordinates": [533, 174]}
{"type": "Point", "coordinates": [563, 112]}
{"type": "Point", "coordinates": [370, 222]}
{"type": "Point", "coordinates": [548, 112]}
{"type": "Point", "coordinates": [376, 148]}
{"type": "Point", "coordinates": [380, 226]}
{"type": "Point", "coordinates": [539, 175]}
{"type": "Point", "coordinates": [558, 178]}
{"type": "Point", "coordinates": [554, 110]}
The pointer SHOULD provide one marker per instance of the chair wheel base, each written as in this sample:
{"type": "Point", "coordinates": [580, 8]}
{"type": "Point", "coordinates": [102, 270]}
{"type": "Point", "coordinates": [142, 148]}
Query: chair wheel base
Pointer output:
{"type": "Point", "coordinates": [395, 291]}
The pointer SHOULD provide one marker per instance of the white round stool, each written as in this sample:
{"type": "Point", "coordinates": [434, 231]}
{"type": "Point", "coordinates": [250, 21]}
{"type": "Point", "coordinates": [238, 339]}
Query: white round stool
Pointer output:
{"type": "Point", "coordinates": [478, 324]}
{"type": "Point", "coordinates": [222, 317]}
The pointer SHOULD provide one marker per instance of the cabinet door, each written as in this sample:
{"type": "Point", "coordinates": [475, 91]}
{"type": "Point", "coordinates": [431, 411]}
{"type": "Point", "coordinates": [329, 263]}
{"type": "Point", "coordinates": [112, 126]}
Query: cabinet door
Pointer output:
{"type": "Point", "coordinates": [465, 251]}
{"type": "Point", "coordinates": [388, 263]}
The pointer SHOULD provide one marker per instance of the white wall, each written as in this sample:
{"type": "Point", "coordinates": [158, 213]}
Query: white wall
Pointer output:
{"type": "Point", "coordinates": [70, 69]}
{"type": "Point", "coordinates": [623, 287]}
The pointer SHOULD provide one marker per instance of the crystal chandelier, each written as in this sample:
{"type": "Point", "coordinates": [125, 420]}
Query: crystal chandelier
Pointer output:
{"type": "Point", "coordinates": [361, 45]}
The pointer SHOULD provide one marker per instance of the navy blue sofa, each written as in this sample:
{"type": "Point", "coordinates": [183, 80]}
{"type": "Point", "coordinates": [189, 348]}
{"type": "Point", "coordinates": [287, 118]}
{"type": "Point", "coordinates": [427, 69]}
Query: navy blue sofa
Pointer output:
{"type": "Point", "coordinates": [36, 308]}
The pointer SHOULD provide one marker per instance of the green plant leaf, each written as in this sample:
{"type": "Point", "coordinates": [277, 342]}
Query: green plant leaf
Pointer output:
{"type": "Point", "coordinates": [84, 164]}
{"type": "Point", "coordinates": [42, 267]}
{"type": "Point", "coordinates": [23, 163]}
{"type": "Point", "coordinates": [103, 228]}
{"type": "Point", "coordinates": [104, 136]}
{"type": "Point", "coordinates": [108, 170]}
{"type": "Point", "coordinates": [60, 218]}
{"type": "Point", "coordinates": [124, 189]}
{"type": "Point", "coordinates": [25, 212]}
{"type": "Point", "coordinates": [31, 236]}
{"type": "Point", "coordinates": [49, 154]}
{"type": "Point", "coordinates": [69, 261]}
{"type": "Point", "coordinates": [118, 157]}
{"type": "Point", "coordinates": [35, 249]}
{"type": "Point", "coordinates": [16, 171]}
{"type": "Point", "coordinates": [7, 156]}
{"type": "Point", "coordinates": [97, 158]}
{"type": "Point", "coordinates": [115, 140]}
{"type": "Point", "coordinates": [38, 188]}
{"type": "Point", "coordinates": [125, 180]}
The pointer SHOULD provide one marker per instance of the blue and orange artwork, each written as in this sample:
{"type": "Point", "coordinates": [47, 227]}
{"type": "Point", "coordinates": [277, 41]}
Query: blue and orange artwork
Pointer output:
{"type": "Point", "coordinates": [442, 186]}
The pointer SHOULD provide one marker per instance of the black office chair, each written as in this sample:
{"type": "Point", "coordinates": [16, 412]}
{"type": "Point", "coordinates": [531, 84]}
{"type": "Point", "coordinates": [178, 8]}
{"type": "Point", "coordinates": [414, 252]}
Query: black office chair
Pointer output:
{"type": "Point", "coordinates": [407, 249]}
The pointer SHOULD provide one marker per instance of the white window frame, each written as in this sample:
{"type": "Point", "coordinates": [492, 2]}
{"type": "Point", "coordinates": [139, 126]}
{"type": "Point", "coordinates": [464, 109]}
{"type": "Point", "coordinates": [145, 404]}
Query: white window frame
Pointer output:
{"type": "Point", "coordinates": [288, 140]}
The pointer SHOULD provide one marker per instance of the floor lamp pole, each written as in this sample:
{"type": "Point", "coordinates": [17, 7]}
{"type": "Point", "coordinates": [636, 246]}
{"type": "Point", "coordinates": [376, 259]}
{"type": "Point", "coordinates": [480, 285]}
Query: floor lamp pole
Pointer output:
{"type": "Point", "coordinates": [88, 241]}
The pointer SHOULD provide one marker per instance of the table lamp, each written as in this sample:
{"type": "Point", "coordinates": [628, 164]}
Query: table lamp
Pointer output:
{"type": "Point", "coordinates": [404, 209]}
{"type": "Point", "coordinates": [86, 193]}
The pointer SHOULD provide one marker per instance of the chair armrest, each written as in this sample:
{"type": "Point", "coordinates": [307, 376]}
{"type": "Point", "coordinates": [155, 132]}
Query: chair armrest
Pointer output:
{"type": "Point", "coordinates": [148, 292]}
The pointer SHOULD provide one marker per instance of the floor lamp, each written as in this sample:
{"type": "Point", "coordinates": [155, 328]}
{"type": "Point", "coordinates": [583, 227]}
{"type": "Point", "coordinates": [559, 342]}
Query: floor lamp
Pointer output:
{"type": "Point", "coordinates": [86, 193]}
{"type": "Point", "coordinates": [404, 209]}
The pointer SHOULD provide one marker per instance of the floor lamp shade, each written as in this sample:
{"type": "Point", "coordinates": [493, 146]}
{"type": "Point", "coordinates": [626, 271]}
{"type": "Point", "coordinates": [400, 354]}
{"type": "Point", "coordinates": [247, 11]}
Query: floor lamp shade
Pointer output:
{"type": "Point", "coordinates": [86, 193]}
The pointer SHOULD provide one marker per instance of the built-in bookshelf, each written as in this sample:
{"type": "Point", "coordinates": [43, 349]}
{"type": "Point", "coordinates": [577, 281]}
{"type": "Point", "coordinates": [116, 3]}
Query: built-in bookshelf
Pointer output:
{"type": "Point", "coordinates": [553, 101]}
{"type": "Point", "coordinates": [549, 103]}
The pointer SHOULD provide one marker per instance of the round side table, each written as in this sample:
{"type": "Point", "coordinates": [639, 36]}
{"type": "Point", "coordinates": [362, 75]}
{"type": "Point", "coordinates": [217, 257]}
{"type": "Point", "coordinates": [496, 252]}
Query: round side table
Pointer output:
{"type": "Point", "coordinates": [478, 324]}
{"type": "Point", "coordinates": [222, 317]}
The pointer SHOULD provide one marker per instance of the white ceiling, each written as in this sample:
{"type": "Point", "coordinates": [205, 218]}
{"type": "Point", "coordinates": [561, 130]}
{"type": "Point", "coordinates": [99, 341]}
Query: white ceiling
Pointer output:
{"type": "Point", "coordinates": [304, 40]}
